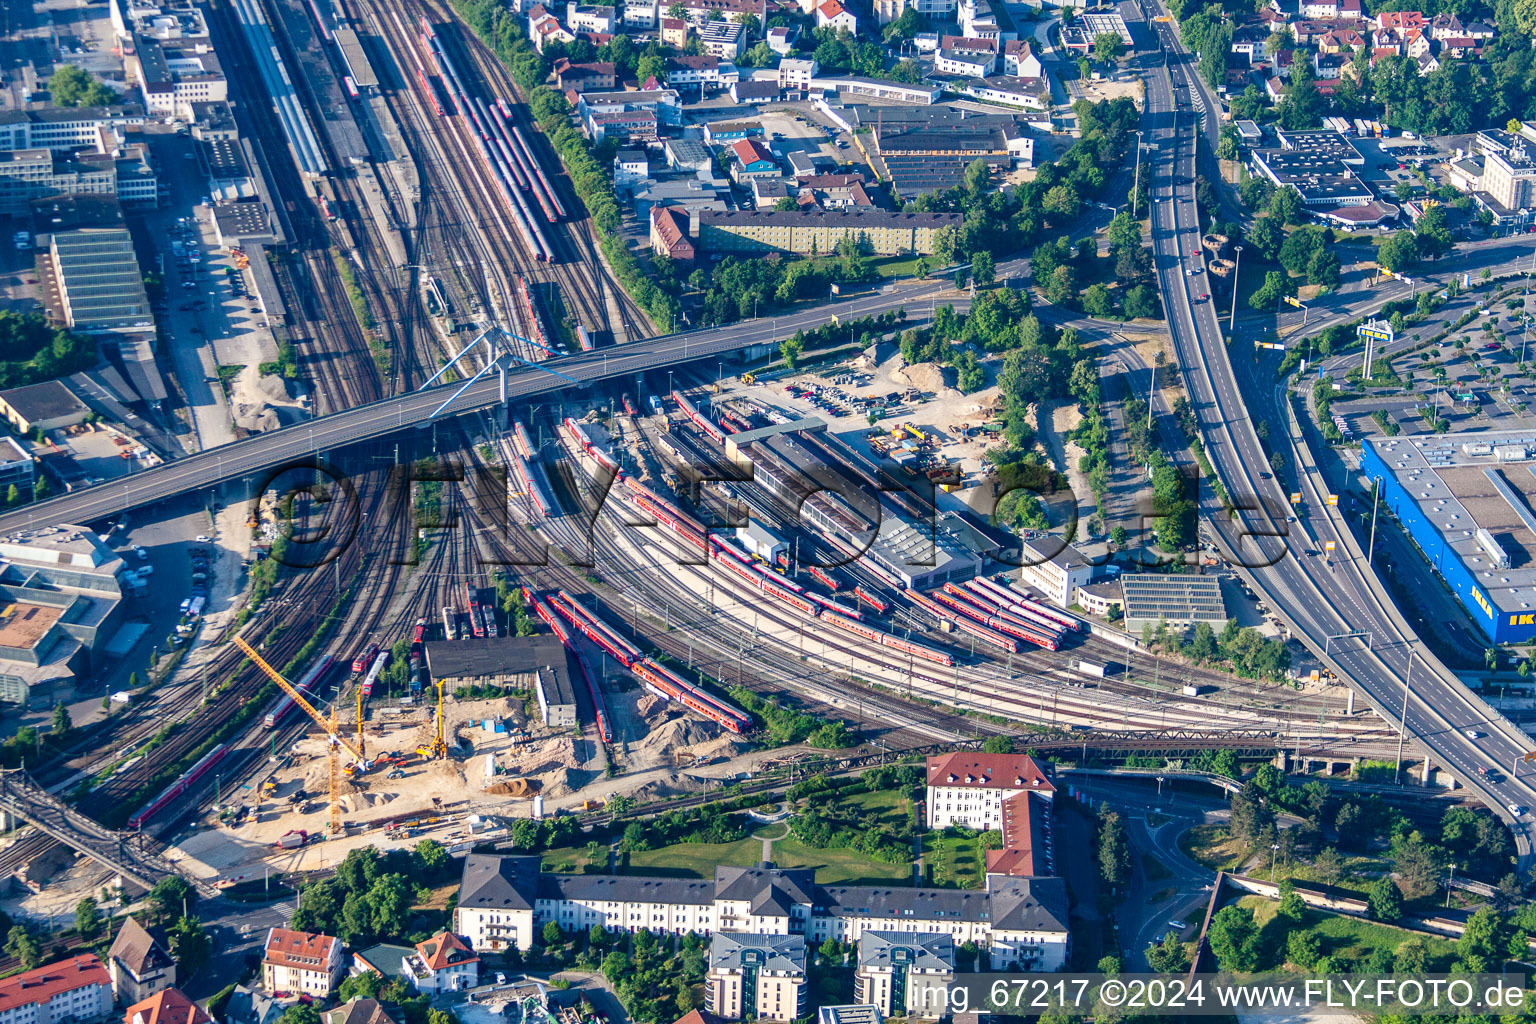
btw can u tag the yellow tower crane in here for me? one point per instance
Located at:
(362, 744)
(332, 730)
(439, 747)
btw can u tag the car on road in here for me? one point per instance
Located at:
(1179, 923)
(1472, 734)
(1516, 810)
(203, 538)
(1203, 296)
(141, 552)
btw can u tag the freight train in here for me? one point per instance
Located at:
(308, 685)
(183, 782)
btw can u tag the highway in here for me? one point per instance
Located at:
(1336, 606)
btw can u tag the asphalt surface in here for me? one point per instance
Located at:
(1335, 605)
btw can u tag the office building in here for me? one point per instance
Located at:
(101, 287)
(1181, 601)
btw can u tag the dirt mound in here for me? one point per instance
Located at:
(649, 705)
(924, 377)
(559, 752)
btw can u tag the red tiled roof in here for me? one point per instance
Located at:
(673, 236)
(987, 771)
(301, 950)
(749, 150)
(42, 984)
(170, 1006)
(445, 950)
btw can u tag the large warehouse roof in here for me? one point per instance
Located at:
(1472, 496)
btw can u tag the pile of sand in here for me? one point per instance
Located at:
(260, 403)
(559, 752)
(650, 704)
(924, 377)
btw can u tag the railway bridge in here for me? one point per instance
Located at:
(128, 854)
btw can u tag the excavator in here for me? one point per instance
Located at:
(330, 726)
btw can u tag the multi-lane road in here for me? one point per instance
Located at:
(1335, 605)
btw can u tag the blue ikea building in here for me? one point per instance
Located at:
(1469, 503)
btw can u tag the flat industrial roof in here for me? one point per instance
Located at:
(24, 624)
(1175, 598)
(1466, 482)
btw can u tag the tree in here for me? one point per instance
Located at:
(1096, 301)
(1108, 46)
(1398, 253)
(87, 918)
(1432, 234)
(1286, 206)
(300, 1013)
(1276, 285)
(1299, 248)
(1303, 949)
(1484, 935)
(62, 723)
(1411, 957)
(1384, 899)
(20, 944)
(998, 744)
(1114, 850)
(791, 347)
(1234, 938)
(191, 946)
(430, 857)
(552, 934)
(1292, 908)
(1417, 864)
(1170, 956)
(1140, 301)
(389, 905)
(71, 86)
(1061, 202)
(1266, 236)
(1323, 270)
(170, 895)
(983, 271)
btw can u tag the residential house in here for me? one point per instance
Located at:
(301, 963)
(1327, 67)
(168, 1006)
(709, 74)
(796, 74)
(1427, 64)
(669, 235)
(444, 963)
(139, 963)
(1447, 24)
(755, 976)
(1415, 43)
(755, 90)
(1020, 60)
(1319, 8)
(674, 32)
(833, 15)
(724, 39)
(593, 18)
(359, 1011)
(722, 132)
(1480, 30)
(781, 39)
(76, 989)
(641, 13)
(251, 1006)
(699, 11)
(1341, 40)
(751, 159)
(544, 27)
(1400, 21)
(591, 76)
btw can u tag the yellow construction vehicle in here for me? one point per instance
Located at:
(330, 726)
(748, 378)
(438, 747)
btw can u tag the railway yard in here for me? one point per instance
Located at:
(624, 596)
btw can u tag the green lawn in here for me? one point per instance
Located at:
(573, 860)
(955, 863)
(898, 266)
(1213, 846)
(886, 806)
(1355, 938)
(696, 860)
(835, 867)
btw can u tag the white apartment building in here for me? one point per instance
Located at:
(970, 788)
(59, 128)
(640, 13)
(503, 900)
(905, 974)
(756, 976)
(77, 989)
(888, 11)
(797, 73)
(301, 962)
